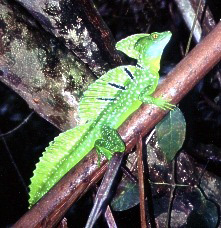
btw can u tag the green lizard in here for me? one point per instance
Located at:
(104, 107)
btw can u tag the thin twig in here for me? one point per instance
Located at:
(141, 183)
(14, 165)
(110, 218)
(193, 27)
(103, 192)
(172, 193)
(17, 127)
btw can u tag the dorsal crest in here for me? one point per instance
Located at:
(103, 91)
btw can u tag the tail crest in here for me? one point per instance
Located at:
(53, 164)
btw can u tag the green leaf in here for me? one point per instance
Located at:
(171, 133)
(204, 216)
(127, 195)
(127, 192)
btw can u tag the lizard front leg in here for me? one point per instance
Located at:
(146, 98)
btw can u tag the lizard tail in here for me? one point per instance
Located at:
(59, 157)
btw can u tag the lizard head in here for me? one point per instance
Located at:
(151, 48)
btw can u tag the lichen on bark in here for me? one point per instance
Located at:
(80, 27)
(40, 68)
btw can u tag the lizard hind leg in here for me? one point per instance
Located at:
(110, 142)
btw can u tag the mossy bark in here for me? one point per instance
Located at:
(50, 72)
(80, 27)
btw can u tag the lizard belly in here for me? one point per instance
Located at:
(116, 113)
(125, 113)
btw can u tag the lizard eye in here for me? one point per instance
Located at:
(155, 36)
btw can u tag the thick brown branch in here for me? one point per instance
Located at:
(51, 208)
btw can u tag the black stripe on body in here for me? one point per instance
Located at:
(139, 66)
(105, 99)
(129, 73)
(117, 86)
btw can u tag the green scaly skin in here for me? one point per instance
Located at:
(104, 107)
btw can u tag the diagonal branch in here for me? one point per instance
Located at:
(52, 207)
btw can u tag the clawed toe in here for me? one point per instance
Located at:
(168, 105)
